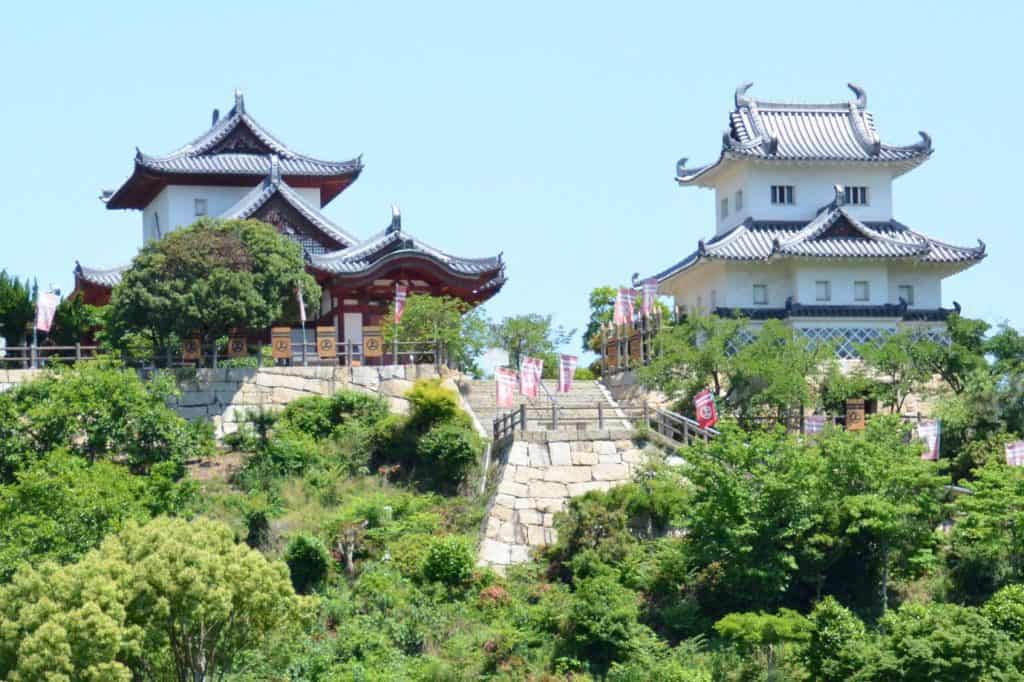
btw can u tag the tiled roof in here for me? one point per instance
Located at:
(236, 145)
(393, 241)
(199, 155)
(108, 278)
(834, 233)
(775, 131)
(272, 185)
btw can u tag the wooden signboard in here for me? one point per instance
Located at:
(191, 349)
(373, 342)
(238, 347)
(326, 343)
(855, 414)
(611, 352)
(281, 342)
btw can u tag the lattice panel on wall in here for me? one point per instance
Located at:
(308, 245)
(846, 339)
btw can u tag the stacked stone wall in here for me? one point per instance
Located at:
(537, 479)
(9, 378)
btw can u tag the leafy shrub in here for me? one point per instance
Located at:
(352, 446)
(1005, 610)
(450, 450)
(449, 561)
(349, 405)
(602, 619)
(311, 416)
(432, 403)
(308, 562)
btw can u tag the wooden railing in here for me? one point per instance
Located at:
(505, 424)
(16, 357)
(679, 429)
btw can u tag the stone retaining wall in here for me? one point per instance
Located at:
(9, 378)
(537, 479)
(225, 396)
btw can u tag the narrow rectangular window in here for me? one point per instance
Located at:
(861, 291)
(907, 294)
(760, 294)
(739, 200)
(823, 291)
(200, 206)
(782, 194)
(714, 299)
(857, 196)
(724, 209)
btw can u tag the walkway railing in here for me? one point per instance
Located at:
(505, 424)
(25, 357)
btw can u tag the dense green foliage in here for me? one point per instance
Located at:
(532, 335)
(462, 329)
(761, 555)
(207, 279)
(17, 307)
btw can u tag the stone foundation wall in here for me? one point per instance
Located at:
(537, 479)
(225, 396)
(9, 378)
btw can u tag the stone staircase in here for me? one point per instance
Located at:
(588, 407)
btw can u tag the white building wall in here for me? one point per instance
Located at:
(175, 205)
(927, 283)
(742, 278)
(841, 277)
(812, 189)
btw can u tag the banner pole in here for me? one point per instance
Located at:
(304, 361)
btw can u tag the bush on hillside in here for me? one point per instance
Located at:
(308, 562)
(449, 561)
(449, 451)
(431, 403)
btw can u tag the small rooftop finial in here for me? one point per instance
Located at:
(396, 220)
(239, 102)
(925, 144)
(862, 97)
(216, 117)
(741, 94)
(840, 195)
(275, 168)
(681, 167)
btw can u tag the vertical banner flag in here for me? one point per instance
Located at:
(707, 412)
(529, 376)
(1015, 453)
(814, 423)
(46, 308)
(930, 431)
(623, 314)
(505, 384)
(649, 289)
(566, 372)
(302, 305)
(401, 292)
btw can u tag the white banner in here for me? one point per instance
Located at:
(46, 308)
(566, 372)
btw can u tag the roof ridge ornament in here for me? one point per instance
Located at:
(741, 95)
(215, 117)
(396, 220)
(275, 169)
(840, 197)
(862, 96)
(239, 102)
(925, 143)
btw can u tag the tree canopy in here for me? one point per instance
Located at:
(208, 278)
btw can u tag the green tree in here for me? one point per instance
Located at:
(169, 599)
(209, 278)
(308, 562)
(895, 361)
(529, 335)
(601, 623)
(773, 373)
(695, 354)
(838, 648)
(17, 307)
(462, 328)
(61, 507)
(987, 542)
(602, 309)
(74, 320)
(768, 634)
(956, 360)
(100, 410)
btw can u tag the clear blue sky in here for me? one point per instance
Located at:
(545, 130)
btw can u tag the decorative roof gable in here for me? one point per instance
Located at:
(232, 151)
(833, 234)
(833, 132)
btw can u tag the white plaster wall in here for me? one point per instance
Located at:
(698, 287)
(726, 188)
(742, 278)
(813, 188)
(842, 276)
(176, 205)
(927, 283)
